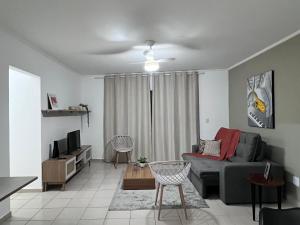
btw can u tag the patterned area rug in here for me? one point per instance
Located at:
(144, 199)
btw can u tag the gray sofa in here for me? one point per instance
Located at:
(230, 176)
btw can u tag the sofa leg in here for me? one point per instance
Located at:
(204, 193)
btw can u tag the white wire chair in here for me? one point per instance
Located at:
(170, 173)
(122, 144)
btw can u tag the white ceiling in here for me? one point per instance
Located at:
(222, 32)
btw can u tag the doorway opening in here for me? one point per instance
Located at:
(25, 125)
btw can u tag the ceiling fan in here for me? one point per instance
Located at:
(151, 64)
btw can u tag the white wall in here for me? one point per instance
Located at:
(25, 125)
(55, 78)
(213, 102)
(92, 93)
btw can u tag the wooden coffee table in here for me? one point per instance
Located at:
(137, 178)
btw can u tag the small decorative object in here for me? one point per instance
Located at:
(52, 101)
(201, 146)
(267, 171)
(260, 100)
(87, 111)
(55, 152)
(75, 108)
(50, 151)
(142, 162)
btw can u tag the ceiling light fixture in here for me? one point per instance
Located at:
(151, 65)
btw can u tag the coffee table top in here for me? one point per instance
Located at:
(136, 172)
(258, 179)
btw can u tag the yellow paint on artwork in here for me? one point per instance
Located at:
(259, 104)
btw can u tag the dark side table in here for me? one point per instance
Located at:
(259, 181)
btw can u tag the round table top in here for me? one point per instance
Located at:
(258, 179)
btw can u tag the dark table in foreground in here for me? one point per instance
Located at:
(10, 185)
(260, 181)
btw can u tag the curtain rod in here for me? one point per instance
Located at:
(145, 73)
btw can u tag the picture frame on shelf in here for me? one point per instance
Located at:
(52, 101)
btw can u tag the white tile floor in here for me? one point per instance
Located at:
(88, 196)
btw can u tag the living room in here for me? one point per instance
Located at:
(96, 94)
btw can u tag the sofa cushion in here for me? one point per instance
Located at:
(204, 166)
(212, 148)
(248, 148)
(237, 159)
(262, 152)
(245, 152)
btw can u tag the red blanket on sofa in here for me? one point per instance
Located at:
(229, 141)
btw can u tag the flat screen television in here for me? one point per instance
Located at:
(62, 146)
(73, 140)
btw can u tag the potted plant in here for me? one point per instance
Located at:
(142, 161)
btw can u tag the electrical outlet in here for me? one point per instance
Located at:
(296, 181)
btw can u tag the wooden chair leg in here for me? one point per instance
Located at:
(116, 160)
(127, 157)
(182, 200)
(157, 192)
(160, 200)
(44, 186)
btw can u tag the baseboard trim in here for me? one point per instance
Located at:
(101, 160)
(291, 200)
(5, 217)
(292, 196)
(30, 190)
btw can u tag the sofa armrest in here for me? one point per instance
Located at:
(195, 148)
(234, 187)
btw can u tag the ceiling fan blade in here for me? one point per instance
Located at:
(111, 51)
(157, 60)
(138, 62)
(188, 44)
(154, 47)
(166, 60)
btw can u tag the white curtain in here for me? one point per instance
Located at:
(175, 121)
(127, 112)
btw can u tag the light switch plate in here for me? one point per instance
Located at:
(296, 181)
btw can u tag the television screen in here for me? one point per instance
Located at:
(73, 141)
(63, 146)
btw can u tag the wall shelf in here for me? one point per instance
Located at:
(63, 112)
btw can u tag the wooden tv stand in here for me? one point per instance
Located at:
(60, 170)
